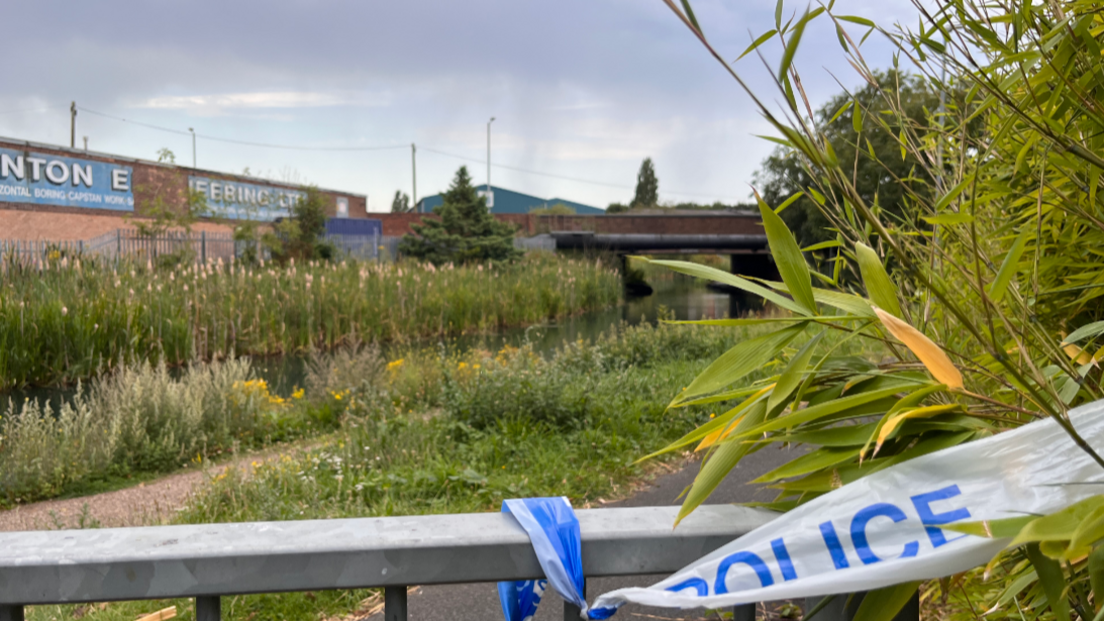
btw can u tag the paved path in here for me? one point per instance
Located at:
(479, 602)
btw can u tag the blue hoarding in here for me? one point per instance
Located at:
(44, 179)
(245, 201)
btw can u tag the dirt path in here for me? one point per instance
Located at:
(154, 502)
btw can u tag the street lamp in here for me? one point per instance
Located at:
(193, 147)
(490, 192)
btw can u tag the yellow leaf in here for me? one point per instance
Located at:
(1077, 354)
(160, 615)
(934, 359)
(723, 432)
(894, 422)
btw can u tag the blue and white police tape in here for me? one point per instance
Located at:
(884, 529)
(553, 530)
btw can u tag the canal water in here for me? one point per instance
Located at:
(674, 295)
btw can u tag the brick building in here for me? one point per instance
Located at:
(52, 192)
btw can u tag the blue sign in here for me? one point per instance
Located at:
(43, 179)
(245, 201)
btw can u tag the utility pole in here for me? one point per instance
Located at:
(73, 125)
(414, 173)
(490, 192)
(193, 147)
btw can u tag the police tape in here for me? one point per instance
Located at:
(884, 529)
(553, 530)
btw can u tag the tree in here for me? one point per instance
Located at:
(300, 235)
(647, 186)
(465, 232)
(885, 179)
(617, 208)
(166, 155)
(559, 209)
(401, 203)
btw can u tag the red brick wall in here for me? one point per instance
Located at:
(152, 180)
(397, 224)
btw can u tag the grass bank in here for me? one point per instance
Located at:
(429, 433)
(67, 319)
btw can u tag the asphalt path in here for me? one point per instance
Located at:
(479, 601)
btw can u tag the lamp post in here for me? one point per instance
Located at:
(490, 192)
(193, 146)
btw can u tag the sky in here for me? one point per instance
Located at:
(581, 90)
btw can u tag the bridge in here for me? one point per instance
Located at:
(736, 233)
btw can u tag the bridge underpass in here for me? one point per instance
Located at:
(748, 253)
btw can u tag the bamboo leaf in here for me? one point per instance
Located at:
(792, 376)
(690, 15)
(953, 194)
(856, 118)
(992, 529)
(878, 285)
(791, 47)
(760, 41)
(862, 21)
(1008, 268)
(1091, 330)
(934, 359)
(828, 408)
(884, 604)
(787, 256)
(1052, 580)
(738, 362)
(949, 218)
(1089, 531)
(778, 15)
(718, 464)
(1096, 575)
(924, 412)
(714, 274)
(717, 423)
(810, 462)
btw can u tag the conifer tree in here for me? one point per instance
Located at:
(466, 232)
(647, 186)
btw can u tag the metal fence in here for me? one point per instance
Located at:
(210, 561)
(203, 246)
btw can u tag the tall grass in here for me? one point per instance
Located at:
(69, 319)
(141, 420)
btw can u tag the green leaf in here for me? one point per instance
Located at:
(712, 273)
(1060, 525)
(719, 463)
(690, 15)
(789, 201)
(878, 285)
(736, 363)
(953, 194)
(844, 108)
(778, 15)
(1008, 268)
(949, 218)
(1052, 580)
(832, 243)
(1089, 531)
(760, 41)
(856, 118)
(992, 529)
(1096, 574)
(792, 376)
(884, 604)
(846, 302)
(810, 462)
(1093, 329)
(821, 410)
(791, 47)
(787, 256)
(700, 433)
(862, 21)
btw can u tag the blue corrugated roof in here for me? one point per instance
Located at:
(509, 201)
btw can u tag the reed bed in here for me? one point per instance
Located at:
(65, 319)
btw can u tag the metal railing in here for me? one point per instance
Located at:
(210, 561)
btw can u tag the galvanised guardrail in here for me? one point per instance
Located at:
(210, 561)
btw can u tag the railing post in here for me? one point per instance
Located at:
(208, 608)
(744, 612)
(571, 611)
(394, 603)
(11, 613)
